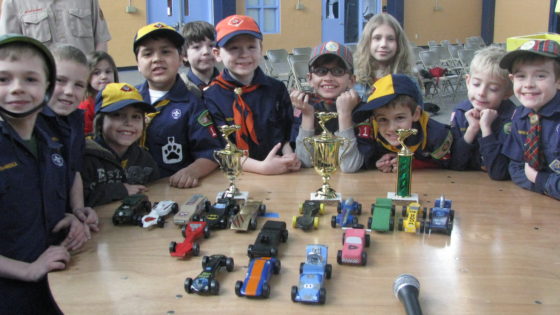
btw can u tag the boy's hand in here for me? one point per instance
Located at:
(300, 100)
(487, 117)
(184, 178)
(387, 163)
(473, 118)
(275, 164)
(89, 217)
(531, 173)
(77, 235)
(347, 101)
(54, 258)
(135, 189)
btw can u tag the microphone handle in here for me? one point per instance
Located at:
(409, 296)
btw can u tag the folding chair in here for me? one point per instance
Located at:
(299, 68)
(277, 64)
(302, 51)
(438, 85)
(432, 43)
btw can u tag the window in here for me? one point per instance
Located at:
(266, 13)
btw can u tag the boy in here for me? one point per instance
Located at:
(200, 39)
(480, 124)
(243, 95)
(32, 209)
(534, 142)
(331, 74)
(395, 104)
(115, 166)
(180, 135)
(67, 124)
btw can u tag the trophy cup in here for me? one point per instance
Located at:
(324, 150)
(404, 169)
(229, 159)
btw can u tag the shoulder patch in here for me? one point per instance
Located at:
(507, 128)
(204, 119)
(444, 148)
(555, 166)
(364, 130)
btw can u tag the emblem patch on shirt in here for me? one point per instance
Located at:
(444, 148)
(176, 114)
(364, 131)
(172, 152)
(555, 166)
(507, 128)
(204, 119)
(57, 159)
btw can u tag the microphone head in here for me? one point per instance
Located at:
(404, 280)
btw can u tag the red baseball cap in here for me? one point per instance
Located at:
(235, 25)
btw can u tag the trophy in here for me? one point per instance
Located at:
(324, 150)
(229, 159)
(404, 169)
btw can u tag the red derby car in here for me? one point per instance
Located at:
(353, 252)
(191, 232)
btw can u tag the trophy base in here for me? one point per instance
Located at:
(407, 199)
(240, 197)
(319, 197)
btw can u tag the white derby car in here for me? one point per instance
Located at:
(159, 211)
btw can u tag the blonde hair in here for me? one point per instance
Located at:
(364, 63)
(487, 60)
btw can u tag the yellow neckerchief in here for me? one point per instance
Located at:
(424, 118)
(148, 120)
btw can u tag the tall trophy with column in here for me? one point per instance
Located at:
(404, 169)
(231, 164)
(324, 150)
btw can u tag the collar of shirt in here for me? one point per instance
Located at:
(259, 78)
(549, 109)
(178, 93)
(197, 81)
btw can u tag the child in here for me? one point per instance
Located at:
(66, 122)
(395, 104)
(114, 165)
(200, 39)
(331, 74)
(534, 142)
(243, 95)
(33, 190)
(103, 71)
(180, 135)
(479, 125)
(383, 49)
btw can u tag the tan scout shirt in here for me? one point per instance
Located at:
(76, 22)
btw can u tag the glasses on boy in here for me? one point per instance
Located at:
(322, 71)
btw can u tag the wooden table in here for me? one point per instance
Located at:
(502, 257)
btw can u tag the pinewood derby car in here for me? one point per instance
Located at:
(218, 215)
(441, 217)
(205, 283)
(194, 206)
(191, 231)
(131, 210)
(347, 213)
(353, 251)
(256, 283)
(246, 218)
(270, 236)
(382, 215)
(309, 210)
(160, 210)
(412, 220)
(312, 274)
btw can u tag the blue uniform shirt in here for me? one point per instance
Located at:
(548, 179)
(33, 196)
(483, 153)
(181, 130)
(271, 107)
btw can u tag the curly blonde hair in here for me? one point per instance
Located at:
(364, 63)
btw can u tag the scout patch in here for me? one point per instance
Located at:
(555, 166)
(507, 128)
(444, 148)
(172, 152)
(176, 113)
(364, 131)
(57, 160)
(204, 119)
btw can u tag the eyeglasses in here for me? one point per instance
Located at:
(322, 71)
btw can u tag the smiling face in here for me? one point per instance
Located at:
(101, 75)
(328, 85)
(486, 91)
(390, 118)
(535, 82)
(70, 88)
(383, 46)
(23, 83)
(122, 128)
(200, 56)
(241, 56)
(159, 61)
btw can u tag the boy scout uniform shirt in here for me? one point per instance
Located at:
(548, 179)
(433, 144)
(181, 130)
(482, 153)
(271, 107)
(33, 197)
(79, 23)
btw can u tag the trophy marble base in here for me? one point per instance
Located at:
(408, 199)
(240, 197)
(316, 196)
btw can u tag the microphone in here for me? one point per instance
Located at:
(406, 288)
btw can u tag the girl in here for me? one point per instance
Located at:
(102, 72)
(383, 49)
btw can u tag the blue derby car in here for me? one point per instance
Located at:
(311, 287)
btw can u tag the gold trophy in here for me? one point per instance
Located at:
(230, 162)
(404, 169)
(324, 150)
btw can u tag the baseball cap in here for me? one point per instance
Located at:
(235, 25)
(48, 57)
(547, 48)
(388, 88)
(158, 29)
(115, 96)
(333, 48)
